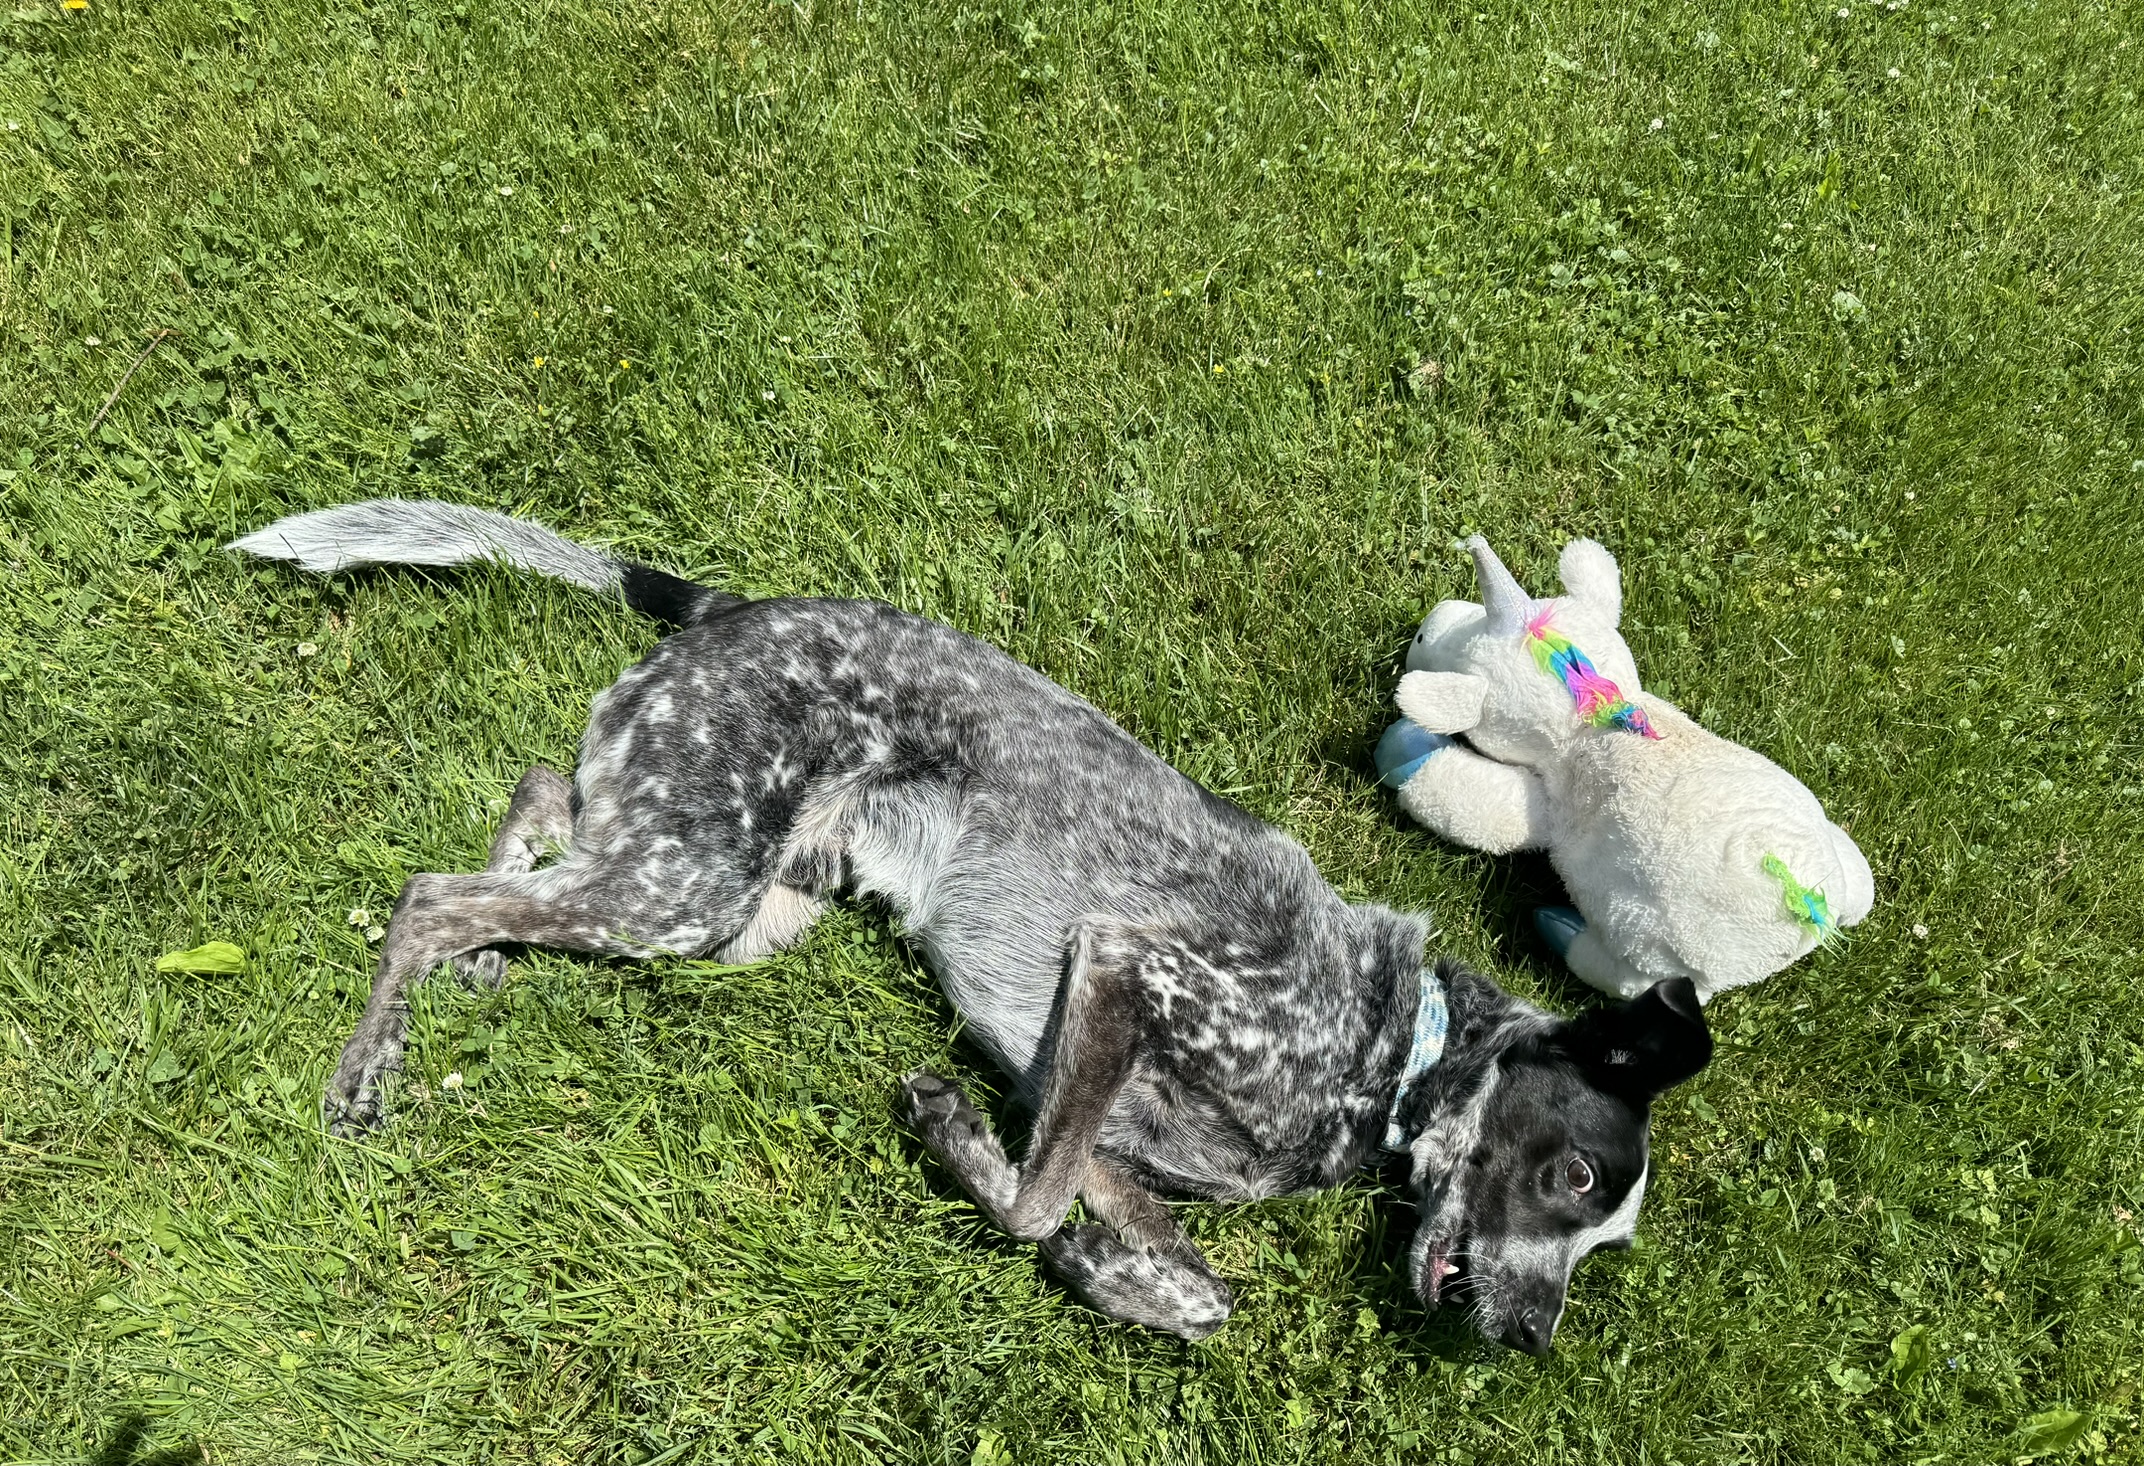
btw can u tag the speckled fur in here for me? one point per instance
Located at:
(1182, 999)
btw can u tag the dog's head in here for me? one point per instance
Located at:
(1537, 1154)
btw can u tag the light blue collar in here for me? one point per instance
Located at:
(1431, 1018)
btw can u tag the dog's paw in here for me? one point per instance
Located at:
(484, 968)
(1198, 1309)
(928, 1102)
(353, 1114)
(355, 1102)
(1172, 1290)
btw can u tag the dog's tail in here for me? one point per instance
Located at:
(428, 532)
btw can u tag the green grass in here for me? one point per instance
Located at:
(1106, 336)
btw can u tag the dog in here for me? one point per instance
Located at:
(1185, 1004)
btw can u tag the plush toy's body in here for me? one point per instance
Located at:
(1686, 855)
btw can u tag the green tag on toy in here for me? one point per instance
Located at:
(1804, 905)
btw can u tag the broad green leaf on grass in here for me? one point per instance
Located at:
(1909, 1357)
(166, 1067)
(1852, 1381)
(2050, 1431)
(209, 957)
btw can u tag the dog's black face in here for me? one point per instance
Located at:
(1545, 1162)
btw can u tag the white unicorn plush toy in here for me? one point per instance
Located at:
(1686, 855)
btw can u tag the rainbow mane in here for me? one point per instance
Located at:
(1599, 701)
(1804, 905)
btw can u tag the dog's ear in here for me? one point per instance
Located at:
(1642, 1047)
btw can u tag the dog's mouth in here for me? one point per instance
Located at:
(1438, 1270)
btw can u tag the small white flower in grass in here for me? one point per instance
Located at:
(92, 341)
(1656, 124)
(374, 933)
(1845, 14)
(14, 127)
(307, 649)
(452, 1081)
(506, 191)
(1892, 73)
(766, 396)
(1919, 930)
(359, 916)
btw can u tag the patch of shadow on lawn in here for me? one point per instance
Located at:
(124, 1447)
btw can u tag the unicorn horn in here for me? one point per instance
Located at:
(1508, 606)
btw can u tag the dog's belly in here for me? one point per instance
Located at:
(993, 937)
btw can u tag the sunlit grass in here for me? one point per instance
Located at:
(1169, 348)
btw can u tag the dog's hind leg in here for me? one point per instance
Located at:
(809, 869)
(439, 917)
(539, 822)
(1098, 1037)
(1138, 1266)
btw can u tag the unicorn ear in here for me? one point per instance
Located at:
(1590, 575)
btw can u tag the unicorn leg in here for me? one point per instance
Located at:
(1559, 926)
(1478, 802)
(1588, 957)
(1405, 747)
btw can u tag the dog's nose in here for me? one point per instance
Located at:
(1532, 1332)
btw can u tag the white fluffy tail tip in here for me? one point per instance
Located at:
(425, 532)
(274, 543)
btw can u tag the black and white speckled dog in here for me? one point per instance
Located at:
(1185, 1003)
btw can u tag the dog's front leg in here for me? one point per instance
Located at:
(1098, 1031)
(1138, 1267)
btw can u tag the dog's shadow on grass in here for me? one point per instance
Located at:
(123, 1447)
(1377, 1272)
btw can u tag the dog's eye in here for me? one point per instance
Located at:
(1579, 1175)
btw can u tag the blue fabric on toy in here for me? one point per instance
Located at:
(1405, 747)
(1559, 927)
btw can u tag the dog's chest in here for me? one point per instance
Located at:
(1259, 1083)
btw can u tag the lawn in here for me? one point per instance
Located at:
(1170, 347)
